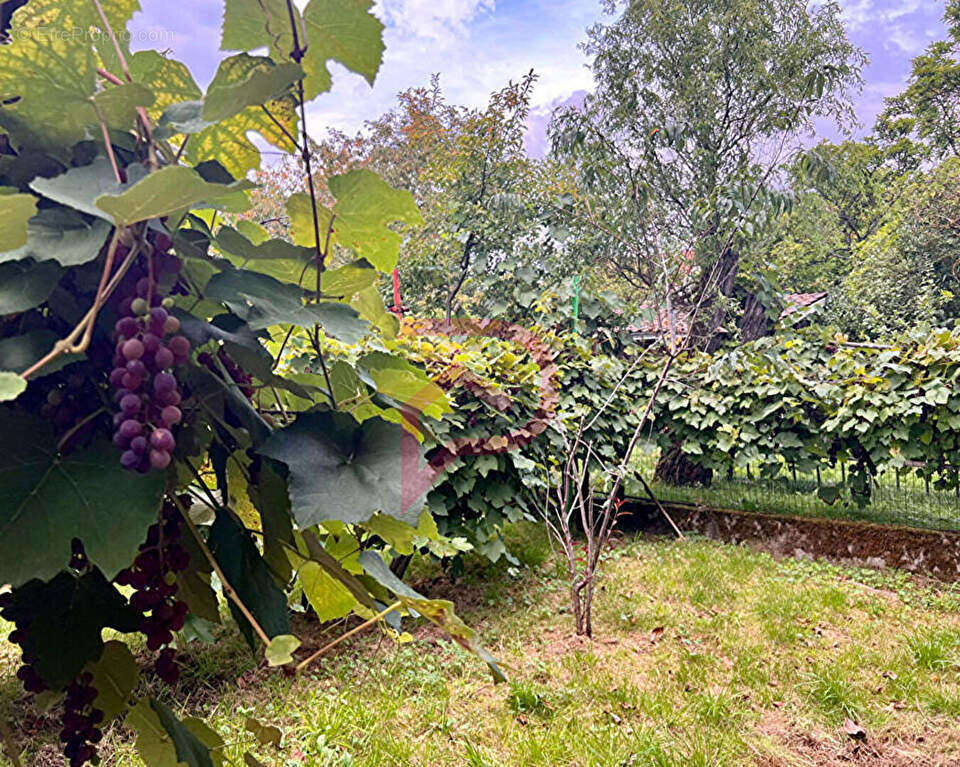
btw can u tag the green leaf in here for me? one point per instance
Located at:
(347, 471)
(276, 258)
(243, 81)
(399, 534)
(25, 284)
(12, 386)
(169, 80)
(345, 31)
(262, 301)
(193, 583)
(329, 598)
(63, 235)
(347, 280)
(366, 206)
(265, 734)
(249, 24)
(17, 353)
(369, 304)
(16, 210)
(280, 650)
(69, 606)
(268, 494)
(47, 500)
(115, 677)
(169, 190)
(437, 611)
(79, 188)
(118, 103)
(165, 741)
(245, 569)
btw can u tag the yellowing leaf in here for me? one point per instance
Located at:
(16, 210)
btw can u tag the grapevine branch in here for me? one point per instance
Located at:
(79, 338)
(343, 637)
(224, 583)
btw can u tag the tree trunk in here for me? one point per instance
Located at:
(754, 323)
(676, 468)
(718, 280)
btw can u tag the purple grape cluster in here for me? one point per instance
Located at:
(81, 720)
(152, 576)
(238, 375)
(147, 348)
(27, 674)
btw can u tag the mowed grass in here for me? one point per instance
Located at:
(704, 654)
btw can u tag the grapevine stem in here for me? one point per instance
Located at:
(343, 637)
(224, 583)
(107, 143)
(84, 328)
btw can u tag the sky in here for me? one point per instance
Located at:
(477, 46)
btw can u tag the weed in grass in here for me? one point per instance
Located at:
(526, 699)
(934, 651)
(829, 688)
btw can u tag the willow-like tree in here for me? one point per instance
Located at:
(697, 104)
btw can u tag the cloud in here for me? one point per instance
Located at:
(440, 20)
(535, 141)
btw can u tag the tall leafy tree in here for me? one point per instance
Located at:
(696, 105)
(924, 120)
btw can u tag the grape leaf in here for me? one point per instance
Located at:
(164, 192)
(243, 81)
(266, 734)
(24, 284)
(165, 741)
(280, 650)
(365, 208)
(17, 210)
(437, 611)
(245, 569)
(48, 71)
(262, 301)
(328, 597)
(48, 499)
(169, 80)
(268, 493)
(79, 188)
(17, 353)
(12, 385)
(193, 584)
(61, 234)
(343, 470)
(115, 677)
(277, 258)
(118, 104)
(345, 31)
(69, 606)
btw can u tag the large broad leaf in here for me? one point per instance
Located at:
(438, 611)
(62, 235)
(277, 258)
(262, 301)
(243, 81)
(366, 207)
(250, 576)
(24, 284)
(79, 188)
(16, 210)
(12, 385)
(343, 30)
(47, 500)
(343, 470)
(17, 353)
(268, 494)
(74, 608)
(168, 80)
(47, 71)
(115, 677)
(118, 104)
(193, 583)
(165, 741)
(168, 190)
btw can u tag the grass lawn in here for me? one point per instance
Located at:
(705, 654)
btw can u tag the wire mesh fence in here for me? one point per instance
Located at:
(897, 497)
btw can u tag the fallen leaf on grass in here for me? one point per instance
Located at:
(655, 634)
(853, 729)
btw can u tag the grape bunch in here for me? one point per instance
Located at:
(153, 576)
(27, 674)
(81, 720)
(147, 347)
(238, 375)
